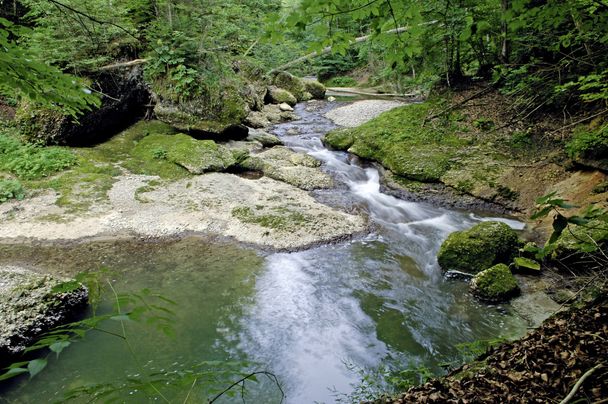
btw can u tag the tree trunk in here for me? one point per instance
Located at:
(504, 28)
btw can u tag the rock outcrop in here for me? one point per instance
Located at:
(125, 100)
(32, 304)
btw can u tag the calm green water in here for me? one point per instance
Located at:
(307, 316)
(315, 318)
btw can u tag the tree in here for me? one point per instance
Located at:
(23, 74)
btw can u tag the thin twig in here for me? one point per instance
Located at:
(578, 384)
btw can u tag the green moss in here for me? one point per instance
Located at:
(399, 141)
(495, 284)
(290, 83)
(600, 188)
(279, 95)
(280, 219)
(340, 139)
(341, 81)
(97, 168)
(316, 89)
(590, 144)
(150, 186)
(196, 156)
(478, 248)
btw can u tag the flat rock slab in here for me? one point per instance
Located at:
(359, 112)
(264, 212)
(29, 306)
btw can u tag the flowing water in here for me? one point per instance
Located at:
(317, 319)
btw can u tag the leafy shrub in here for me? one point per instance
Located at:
(32, 162)
(341, 81)
(10, 189)
(589, 144)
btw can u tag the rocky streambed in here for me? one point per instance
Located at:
(377, 298)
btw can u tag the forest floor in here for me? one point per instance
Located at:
(565, 357)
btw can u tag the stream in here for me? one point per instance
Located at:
(319, 319)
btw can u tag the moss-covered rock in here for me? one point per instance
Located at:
(283, 164)
(265, 138)
(480, 247)
(496, 284)
(316, 89)
(215, 115)
(340, 139)
(290, 83)
(196, 156)
(32, 304)
(257, 120)
(278, 95)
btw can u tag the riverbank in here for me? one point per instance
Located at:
(565, 359)
(465, 147)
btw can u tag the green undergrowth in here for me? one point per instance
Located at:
(341, 81)
(29, 162)
(83, 176)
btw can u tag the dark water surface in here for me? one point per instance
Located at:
(315, 318)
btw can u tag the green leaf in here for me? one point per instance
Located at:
(12, 373)
(521, 262)
(121, 317)
(542, 213)
(559, 224)
(36, 366)
(59, 346)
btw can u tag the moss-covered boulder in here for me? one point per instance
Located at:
(340, 139)
(257, 120)
(480, 247)
(196, 156)
(291, 83)
(216, 114)
(278, 95)
(316, 89)
(496, 284)
(31, 304)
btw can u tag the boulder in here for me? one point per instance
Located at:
(315, 89)
(257, 120)
(196, 156)
(125, 101)
(32, 304)
(265, 138)
(217, 119)
(290, 83)
(480, 247)
(274, 114)
(285, 107)
(283, 164)
(278, 95)
(495, 285)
